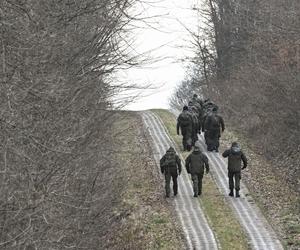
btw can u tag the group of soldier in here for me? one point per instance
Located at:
(196, 117)
(200, 116)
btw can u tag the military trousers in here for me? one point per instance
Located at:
(186, 138)
(197, 183)
(212, 139)
(234, 180)
(168, 177)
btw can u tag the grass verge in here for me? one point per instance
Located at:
(223, 222)
(277, 201)
(144, 219)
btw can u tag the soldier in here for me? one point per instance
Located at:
(197, 109)
(185, 123)
(195, 164)
(196, 125)
(235, 157)
(213, 125)
(170, 166)
(196, 99)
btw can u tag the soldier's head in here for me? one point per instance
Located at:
(235, 147)
(196, 147)
(190, 103)
(194, 109)
(195, 96)
(215, 109)
(171, 149)
(185, 108)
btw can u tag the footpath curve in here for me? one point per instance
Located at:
(192, 218)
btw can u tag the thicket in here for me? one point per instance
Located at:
(247, 60)
(56, 61)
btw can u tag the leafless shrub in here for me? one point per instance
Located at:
(56, 57)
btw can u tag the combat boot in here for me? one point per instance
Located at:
(237, 194)
(231, 192)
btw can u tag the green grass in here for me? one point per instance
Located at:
(224, 223)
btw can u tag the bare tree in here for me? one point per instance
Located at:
(56, 57)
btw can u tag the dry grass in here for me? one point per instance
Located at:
(144, 219)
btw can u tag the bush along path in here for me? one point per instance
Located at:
(194, 223)
(259, 232)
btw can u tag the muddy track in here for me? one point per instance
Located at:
(261, 235)
(192, 218)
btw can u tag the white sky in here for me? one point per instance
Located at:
(168, 42)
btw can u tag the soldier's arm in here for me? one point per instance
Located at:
(245, 161)
(222, 123)
(178, 161)
(177, 127)
(203, 123)
(187, 164)
(226, 153)
(162, 167)
(206, 164)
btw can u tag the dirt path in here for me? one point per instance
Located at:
(261, 235)
(194, 223)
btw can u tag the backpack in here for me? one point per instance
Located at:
(184, 119)
(213, 121)
(170, 159)
(197, 163)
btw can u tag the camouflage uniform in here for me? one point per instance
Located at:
(196, 99)
(170, 166)
(185, 123)
(196, 124)
(235, 159)
(213, 125)
(197, 103)
(195, 164)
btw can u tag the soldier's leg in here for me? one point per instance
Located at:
(217, 144)
(175, 184)
(184, 141)
(167, 187)
(200, 177)
(237, 178)
(195, 184)
(231, 183)
(209, 141)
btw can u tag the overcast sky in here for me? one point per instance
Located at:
(168, 40)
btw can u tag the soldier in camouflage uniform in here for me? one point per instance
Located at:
(196, 99)
(213, 125)
(185, 123)
(197, 103)
(170, 166)
(196, 124)
(235, 158)
(195, 164)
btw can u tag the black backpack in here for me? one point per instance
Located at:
(184, 119)
(170, 159)
(213, 121)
